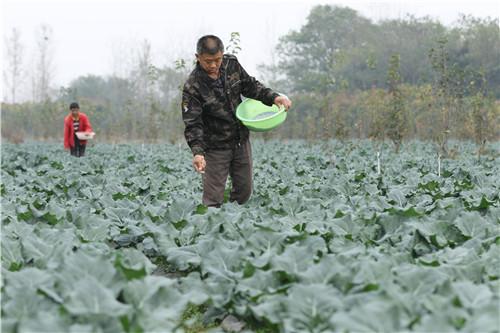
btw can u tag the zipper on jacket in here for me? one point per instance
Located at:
(228, 96)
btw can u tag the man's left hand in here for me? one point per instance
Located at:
(283, 100)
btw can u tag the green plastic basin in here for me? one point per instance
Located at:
(259, 117)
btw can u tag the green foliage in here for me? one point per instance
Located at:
(233, 47)
(335, 70)
(342, 69)
(397, 120)
(118, 109)
(117, 242)
(337, 48)
(316, 57)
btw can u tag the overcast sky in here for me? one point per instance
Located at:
(98, 36)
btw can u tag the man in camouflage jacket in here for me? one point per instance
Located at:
(219, 141)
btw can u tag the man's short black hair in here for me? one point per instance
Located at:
(74, 106)
(209, 44)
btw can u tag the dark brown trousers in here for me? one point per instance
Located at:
(78, 149)
(237, 163)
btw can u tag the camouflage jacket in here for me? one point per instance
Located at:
(209, 106)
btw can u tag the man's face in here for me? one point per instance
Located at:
(74, 112)
(210, 62)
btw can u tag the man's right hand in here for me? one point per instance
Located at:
(199, 163)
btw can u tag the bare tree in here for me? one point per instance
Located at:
(145, 70)
(121, 60)
(144, 76)
(12, 73)
(43, 73)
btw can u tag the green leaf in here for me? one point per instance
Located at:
(484, 319)
(12, 258)
(25, 303)
(309, 307)
(89, 297)
(482, 206)
(184, 257)
(270, 308)
(431, 186)
(133, 264)
(370, 316)
(405, 212)
(180, 210)
(260, 283)
(81, 265)
(201, 209)
(224, 261)
(44, 321)
(138, 292)
(36, 249)
(157, 304)
(471, 224)
(95, 231)
(397, 197)
(293, 261)
(471, 295)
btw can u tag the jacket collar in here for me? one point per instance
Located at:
(80, 116)
(204, 76)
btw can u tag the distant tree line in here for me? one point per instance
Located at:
(143, 106)
(349, 77)
(395, 79)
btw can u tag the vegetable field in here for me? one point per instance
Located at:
(118, 242)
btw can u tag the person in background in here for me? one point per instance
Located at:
(218, 140)
(76, 121)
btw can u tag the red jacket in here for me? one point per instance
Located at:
(69, 132)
